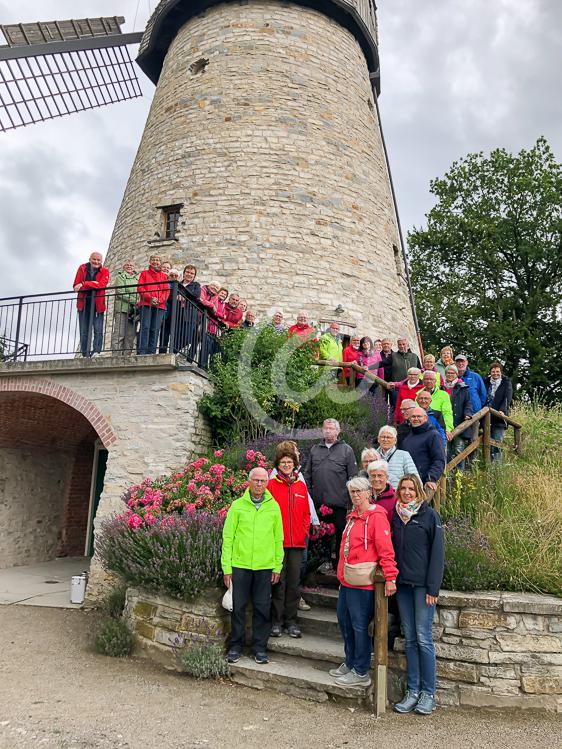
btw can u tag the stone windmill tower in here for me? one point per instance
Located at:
(262, 161)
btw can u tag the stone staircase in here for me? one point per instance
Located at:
(299, 667)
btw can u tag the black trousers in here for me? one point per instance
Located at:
(285, 595)
(338, 519)
(254, 586)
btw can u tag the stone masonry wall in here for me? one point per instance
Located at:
(274, 150)
(494, 650)
(33, 484)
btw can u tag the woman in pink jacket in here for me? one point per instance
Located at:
(370, 358)
(366, 538)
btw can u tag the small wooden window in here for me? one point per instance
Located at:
(171, 221)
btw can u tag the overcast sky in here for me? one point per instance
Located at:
(457, 76)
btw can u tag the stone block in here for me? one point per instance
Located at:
(448, 617)
(533, 622)
(514, 643)
(501, 686)
(532, 603)
(486, 620)
(166, 637)
(472, 696)
(515, 658)
(461, 653)
(457, 671)
(555, 625)
(542, 684)
(500, 672)
(478, 600)
(144, 610)
(143, 629)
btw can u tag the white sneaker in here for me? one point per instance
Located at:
(353, 679)
(339, 671)
(303, 605)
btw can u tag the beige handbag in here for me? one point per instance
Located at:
(362, 573)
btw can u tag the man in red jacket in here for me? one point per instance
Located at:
(90, 282)
(232, 311)
(302, 327)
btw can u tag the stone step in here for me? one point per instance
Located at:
(314, 647)
(318, 580)
(320, 621)
(326, 597)
(297, 677)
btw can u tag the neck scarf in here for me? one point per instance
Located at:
(407, 512)
(494, 384)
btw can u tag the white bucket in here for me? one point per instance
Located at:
(77, 588)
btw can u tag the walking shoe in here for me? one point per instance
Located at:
(303, 605)
(353, 679)
(407, 703)
(426, 704)
(261, 658)
(339, 671)
(233, 656)
(293, 631)
(326, 568)
(275, 630)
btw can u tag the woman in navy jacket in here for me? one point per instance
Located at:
(417, 536)
(499, 393)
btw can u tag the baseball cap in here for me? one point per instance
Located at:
(461, 356)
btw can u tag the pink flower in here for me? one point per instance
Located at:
(190, 507)
(135, 522)
(222, 513)
(192, 486)
(325, 510)
(250, 455)
(149, 519)
(218, 453)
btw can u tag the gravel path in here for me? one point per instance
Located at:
(56, 692)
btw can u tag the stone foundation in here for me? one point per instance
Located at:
(160, 622)
(494, 650)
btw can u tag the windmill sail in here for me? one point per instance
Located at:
(51, 69)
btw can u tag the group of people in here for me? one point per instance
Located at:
(142, 314)
(378, 525)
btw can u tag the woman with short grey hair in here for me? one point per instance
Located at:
(367, 456)
(365, 543)
(400, 462)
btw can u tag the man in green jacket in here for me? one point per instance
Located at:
(252, 559)
(330, 343)
(440, 399)
(124, 322)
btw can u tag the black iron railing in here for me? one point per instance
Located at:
(117, 320)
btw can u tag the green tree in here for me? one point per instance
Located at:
(487, 270)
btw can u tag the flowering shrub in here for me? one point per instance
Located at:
(177, 554)
(202, 485)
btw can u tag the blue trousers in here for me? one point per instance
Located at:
(355, 611)
(417, 618)
(150, 322)
(497, 432)
(96, 340)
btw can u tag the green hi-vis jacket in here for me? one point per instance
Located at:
(253, 539)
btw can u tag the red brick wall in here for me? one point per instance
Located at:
(74, 521)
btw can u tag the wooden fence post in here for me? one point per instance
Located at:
(486, 436)
(517, 440)
(380, 649)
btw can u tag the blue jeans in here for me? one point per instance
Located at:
(355, 611)
(497, 432)
(96, 341)
(150, 322)
(417, 618)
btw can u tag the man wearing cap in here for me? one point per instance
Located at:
(474, 382)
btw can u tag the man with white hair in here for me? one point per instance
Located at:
(402, 360)
(90, 282)
(425, 446)
(330, 465)
(302, 328)
(252, 559)
(233, 311)
(277, 322)
(330, 343)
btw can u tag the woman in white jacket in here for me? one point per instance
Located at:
(400, 462)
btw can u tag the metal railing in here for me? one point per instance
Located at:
(116, 320)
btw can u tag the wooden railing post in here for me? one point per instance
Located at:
(517, 440)
(441, 493)
(381, 648)
(486, 437)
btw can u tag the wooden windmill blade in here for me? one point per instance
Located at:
(55, 68)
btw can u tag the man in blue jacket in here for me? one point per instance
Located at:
(426, 448)
(474, 382)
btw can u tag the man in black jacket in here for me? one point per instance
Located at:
(461, 402)
(426, 448)
(329, 467)
(499, 394)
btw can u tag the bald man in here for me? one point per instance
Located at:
(252, 559)
(426, 448)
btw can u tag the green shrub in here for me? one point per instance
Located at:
(114, 602)
(203, 660)
(114, 638)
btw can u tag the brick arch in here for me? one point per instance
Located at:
(66, 395)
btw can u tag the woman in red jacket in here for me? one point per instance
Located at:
(153, 292)
(366, 538)
(291, 495)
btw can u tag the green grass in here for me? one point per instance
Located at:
(505, 522)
